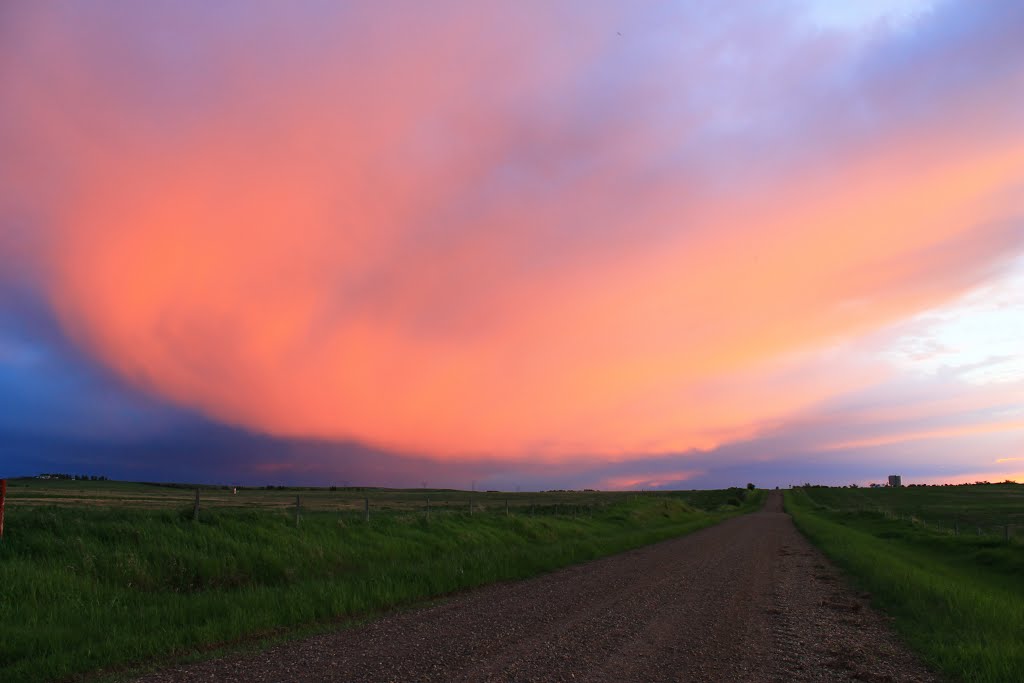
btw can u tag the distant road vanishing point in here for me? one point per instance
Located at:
(747, 600)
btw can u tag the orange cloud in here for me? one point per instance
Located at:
(951, 432)
(971, 477)
(635, 482)
(397, 243)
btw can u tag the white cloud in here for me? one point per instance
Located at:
(979, 338)
(855, 15)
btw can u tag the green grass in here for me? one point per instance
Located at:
(95, 588)
(985, 507)
(68, 493)
(957, 599)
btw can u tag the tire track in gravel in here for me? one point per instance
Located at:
(747, 600)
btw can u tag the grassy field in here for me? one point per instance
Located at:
(981, 509)
(957, 598)
(96, 577)
(118, 494)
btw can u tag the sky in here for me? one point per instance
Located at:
(513, 244)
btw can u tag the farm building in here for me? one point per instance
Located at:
(895, 480)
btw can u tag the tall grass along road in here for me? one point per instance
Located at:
(931, 560)
(746, 600)
(99, 576)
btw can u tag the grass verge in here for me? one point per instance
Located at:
(91, 590)
(957, 600)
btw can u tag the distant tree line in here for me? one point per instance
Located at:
(72, 477)
(911, 486)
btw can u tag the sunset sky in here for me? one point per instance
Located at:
(523, 244)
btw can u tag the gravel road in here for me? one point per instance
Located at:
(747, 600)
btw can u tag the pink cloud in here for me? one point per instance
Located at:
(634, 482)
(484, 232)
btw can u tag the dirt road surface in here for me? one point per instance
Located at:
(747, 600)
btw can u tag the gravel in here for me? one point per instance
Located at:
(747, 600)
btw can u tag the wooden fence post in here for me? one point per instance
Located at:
(366, 509)
(428, 509)
(506, 507)
(471, 507)
(3, 502)
(298, 506)
(195, 508)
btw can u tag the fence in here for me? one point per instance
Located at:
(963, 524)
(959, 527)
(201, 503)
(205, 504)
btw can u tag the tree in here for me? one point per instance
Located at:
(751, 487)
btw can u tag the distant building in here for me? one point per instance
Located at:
(895, 480)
